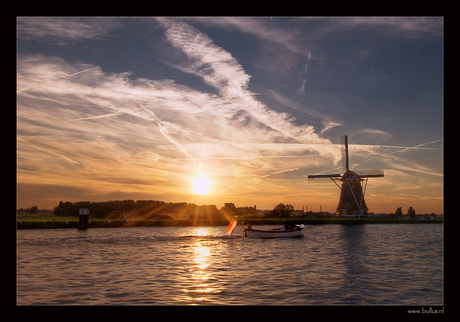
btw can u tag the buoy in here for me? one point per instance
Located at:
(83, 218)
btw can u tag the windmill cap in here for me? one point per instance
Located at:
(349, 173)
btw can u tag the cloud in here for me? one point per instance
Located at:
(290, 56)
(374, 134)
(216, 66)
(260, 27)
(296, 106)
(329, 125)
(66, 30)
(76, 115)
(307, 35)
(410, 27)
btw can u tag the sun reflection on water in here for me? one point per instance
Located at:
(199, 287)
(202, 256)
(203, 232)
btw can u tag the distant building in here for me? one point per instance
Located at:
(231, 210)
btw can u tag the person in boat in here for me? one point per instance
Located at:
(249, 225)
(290, 226)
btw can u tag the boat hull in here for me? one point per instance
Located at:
(274, 233)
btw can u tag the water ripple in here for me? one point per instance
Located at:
(351, 265)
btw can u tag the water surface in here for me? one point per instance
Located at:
(389, 264)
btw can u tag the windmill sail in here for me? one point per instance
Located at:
(345, 161)
(315, 176)
(370, 173)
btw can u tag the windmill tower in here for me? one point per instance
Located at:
(351, 190)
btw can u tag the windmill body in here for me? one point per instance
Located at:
(351, 202)
(351, 196)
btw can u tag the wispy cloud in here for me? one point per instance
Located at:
(374, 134)
(101, 121)
(263, 28)
(64, 30)
(218, 68)
(405, 27)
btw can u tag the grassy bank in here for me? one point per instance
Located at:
(50, 221)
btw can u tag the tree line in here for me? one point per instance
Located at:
(162, 210)
(286, 211)
(139, 208)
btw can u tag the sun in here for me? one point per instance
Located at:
(201, 185)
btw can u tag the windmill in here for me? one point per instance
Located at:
(351, 192)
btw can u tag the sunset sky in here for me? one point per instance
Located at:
(140, 108)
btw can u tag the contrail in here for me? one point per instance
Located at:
(67, 76)
(97, 116)
(315, 147)
(404, 149)
(164, 131)
(82, 71)
(419, 145)
(257, 157)
(287, 65)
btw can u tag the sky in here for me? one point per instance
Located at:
(140, 107)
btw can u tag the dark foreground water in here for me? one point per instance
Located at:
(395, 264)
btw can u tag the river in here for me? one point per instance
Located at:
(381, 264)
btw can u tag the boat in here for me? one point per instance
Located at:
(286, 231)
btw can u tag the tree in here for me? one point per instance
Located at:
(411, 212)
(229, 209)
(281, 210)
(99, 213)
(399, 212)
(34, 210)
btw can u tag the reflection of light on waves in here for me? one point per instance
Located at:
(202, 258)
(203, 232)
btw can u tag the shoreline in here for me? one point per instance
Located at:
(29, 224)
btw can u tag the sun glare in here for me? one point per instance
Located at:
(201, 185)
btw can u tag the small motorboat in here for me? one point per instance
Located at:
(286, 231)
